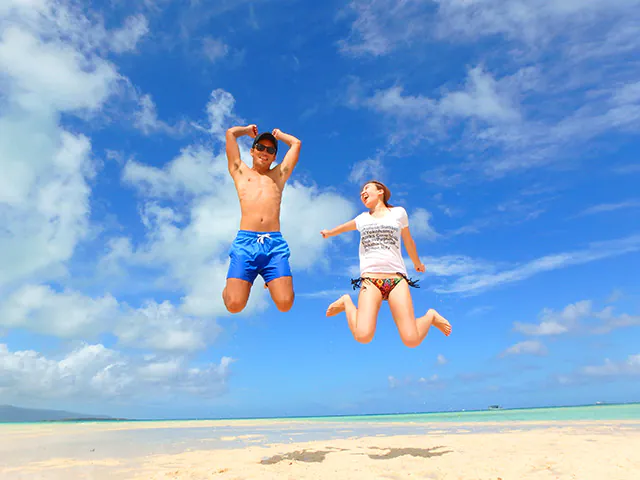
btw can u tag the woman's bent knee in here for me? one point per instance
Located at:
(364, 337)
(411, 342)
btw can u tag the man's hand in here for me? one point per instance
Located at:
(290, 160)
(325, 233)
(251, 130)
(420, 268)
(284, 137)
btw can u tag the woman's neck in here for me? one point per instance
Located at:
(379, 208)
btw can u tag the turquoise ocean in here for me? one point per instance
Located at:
(108, 439)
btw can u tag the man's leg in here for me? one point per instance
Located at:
(281, 290)
(236, 294)
(240, 276)
(277, 274)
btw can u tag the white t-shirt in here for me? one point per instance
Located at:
(380, 241)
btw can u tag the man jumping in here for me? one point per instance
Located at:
(259, 248)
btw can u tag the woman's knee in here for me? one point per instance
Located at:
(364, 335)
(411, 341)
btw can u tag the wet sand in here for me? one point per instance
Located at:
(321, 450)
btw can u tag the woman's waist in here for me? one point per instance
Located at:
(375, 274)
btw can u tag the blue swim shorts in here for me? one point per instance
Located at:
(259, 253)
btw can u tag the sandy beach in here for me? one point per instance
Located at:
(308, 450)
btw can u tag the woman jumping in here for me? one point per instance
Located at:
(383, 274)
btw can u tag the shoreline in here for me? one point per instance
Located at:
(303, 450)
(355, 417)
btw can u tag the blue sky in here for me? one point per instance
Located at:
(509, 133)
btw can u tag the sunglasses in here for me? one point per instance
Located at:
(261, 148)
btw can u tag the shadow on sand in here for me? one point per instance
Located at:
(318, 456)
(414, 452)
(311, 456)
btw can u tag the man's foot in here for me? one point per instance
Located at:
(442, 324)
(336, 307)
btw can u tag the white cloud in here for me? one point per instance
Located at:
(96, 372)
(547, 98)
(420, 225)
(70, 314)
(475, 282)
(301, 226)
(49, 66)
(161, 327)
(146, 118)
(553, 323)
(477, 311)
(616, 295)
(381, 26)
(629, 367)
(627, 169)
(214, 49)
(484, 103)
(482, 97)
(442, 360)
(126, 38)
(365, 170)
(609, 207)
(220, 113)
(433, 379)
(528, 347)
(611, 322)
(533, 22)
(54, 67)
(573, 319)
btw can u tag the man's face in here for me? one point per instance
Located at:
(260, 152)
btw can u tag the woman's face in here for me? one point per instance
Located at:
(371, 194)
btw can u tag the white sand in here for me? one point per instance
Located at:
(581, 451)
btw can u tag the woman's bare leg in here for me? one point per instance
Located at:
(362, 320)
(413, 331)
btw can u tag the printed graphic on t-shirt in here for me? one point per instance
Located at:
(379, 237)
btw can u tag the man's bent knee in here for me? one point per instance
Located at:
(284, 302)
(234, 303)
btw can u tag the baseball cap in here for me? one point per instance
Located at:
(266, 136)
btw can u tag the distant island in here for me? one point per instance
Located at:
(11, 414)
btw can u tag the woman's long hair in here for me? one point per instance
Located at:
(383, 187)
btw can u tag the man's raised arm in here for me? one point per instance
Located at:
(291, 158)
(233, 151)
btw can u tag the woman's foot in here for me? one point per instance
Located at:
(336, 307)
(441, 323)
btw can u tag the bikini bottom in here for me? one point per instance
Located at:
(385, 285)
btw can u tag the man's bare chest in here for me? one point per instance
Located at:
(258, 186)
